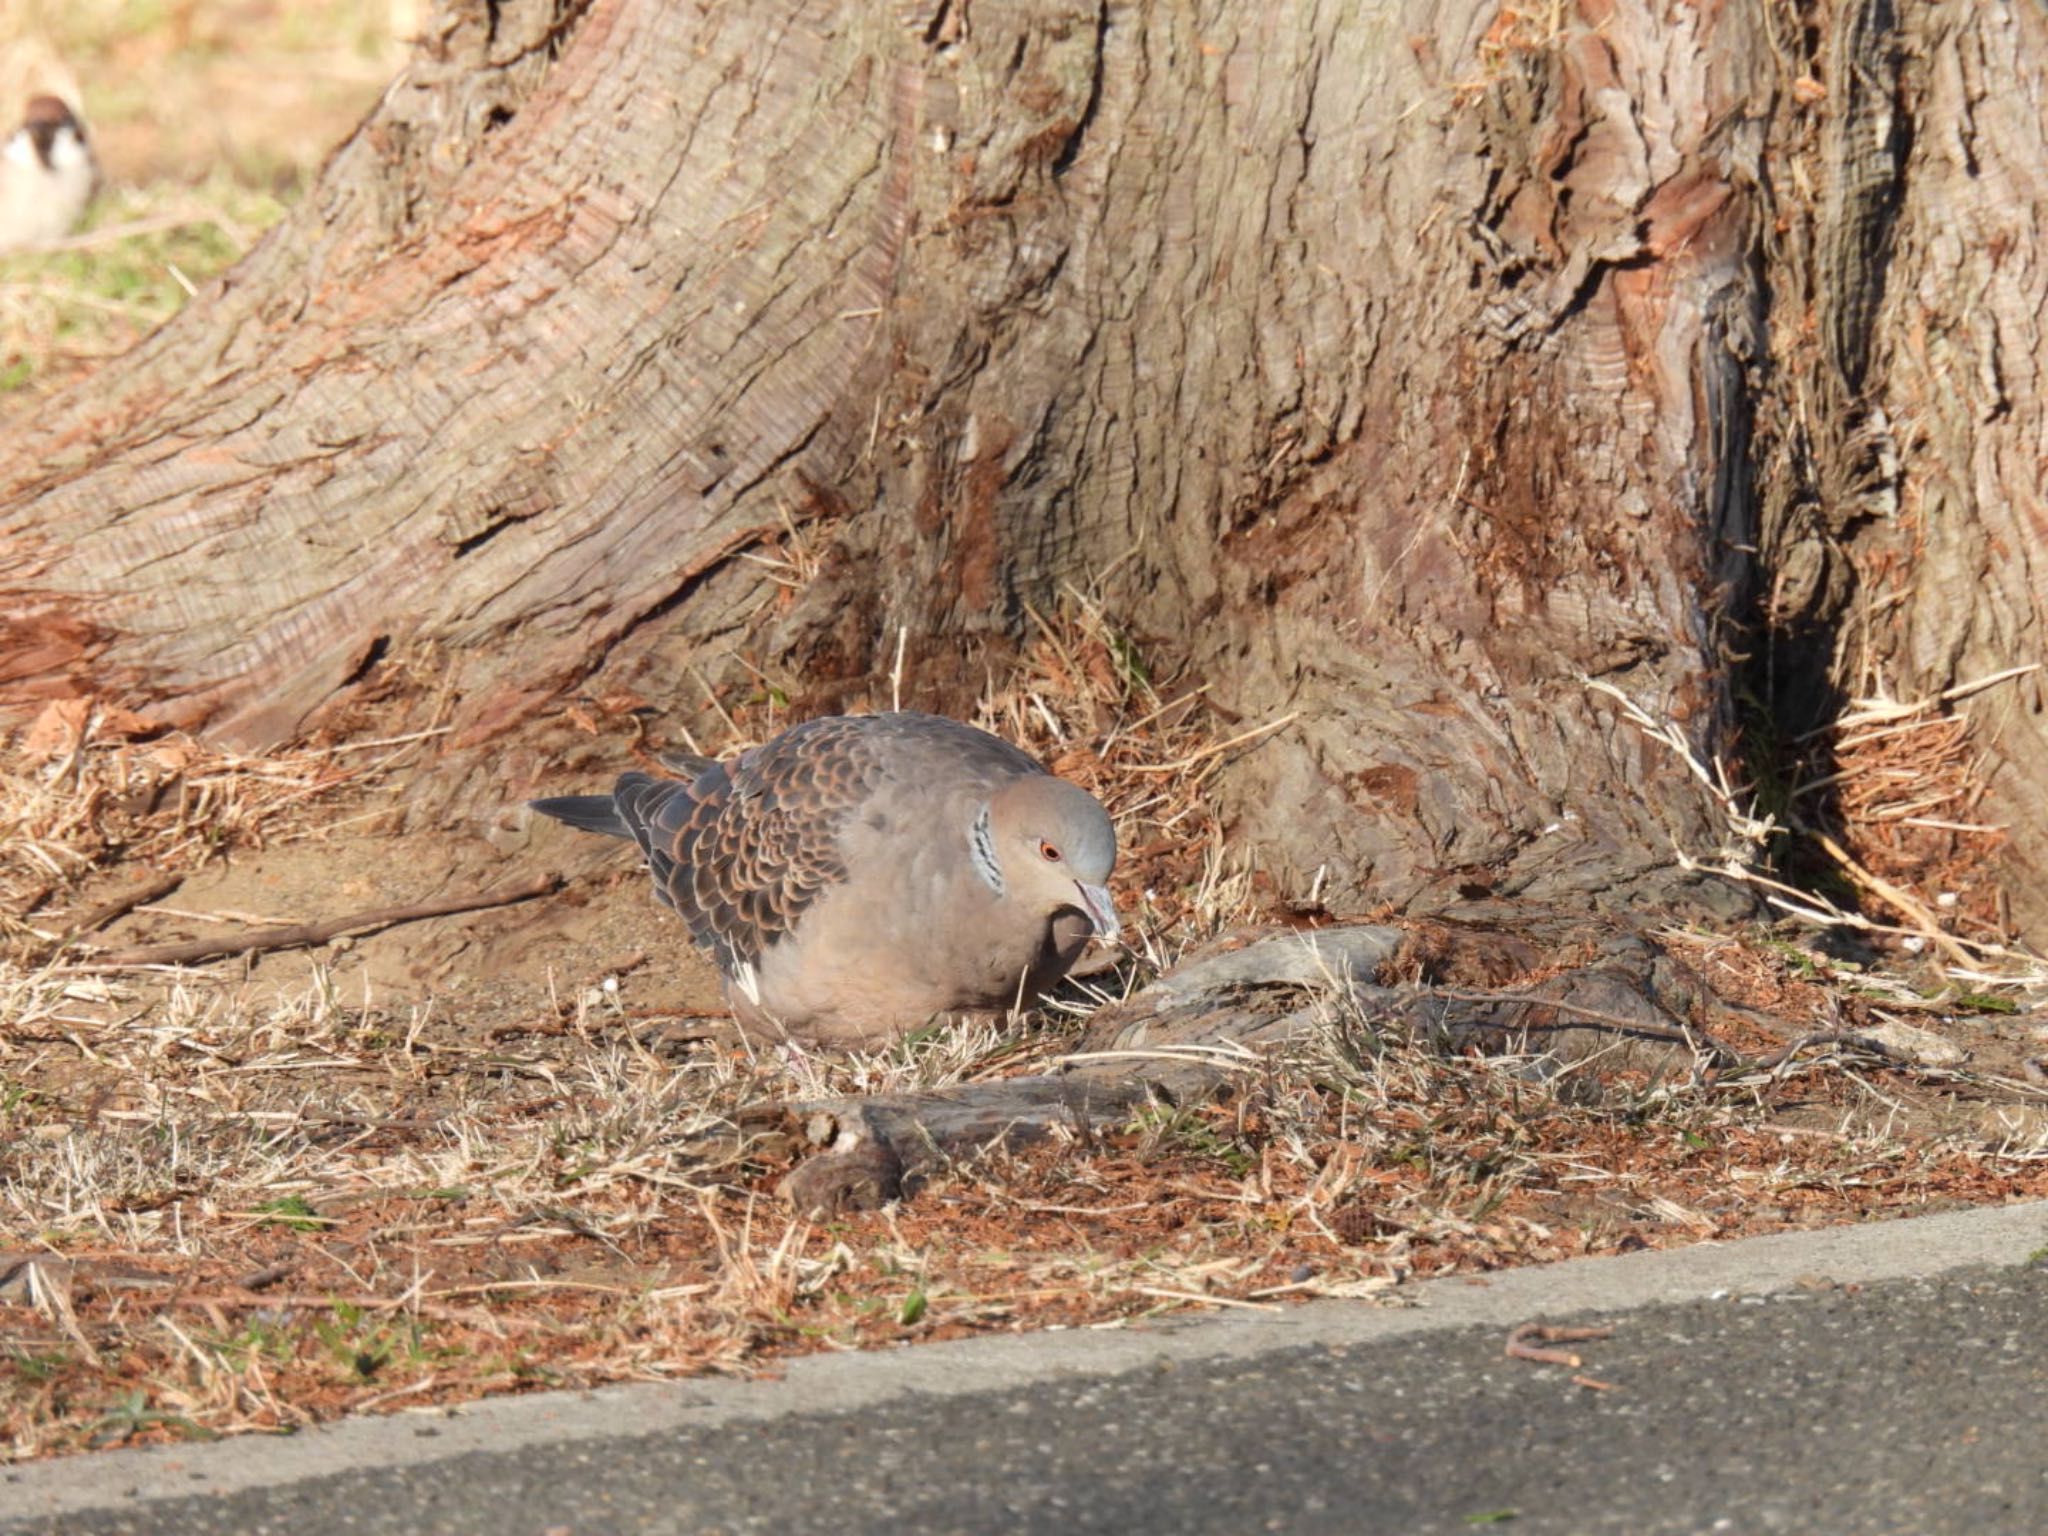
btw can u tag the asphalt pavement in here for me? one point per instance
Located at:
(1886, 1378)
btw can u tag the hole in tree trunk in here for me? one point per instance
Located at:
(373, 653)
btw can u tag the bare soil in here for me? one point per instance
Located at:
(497, 1152)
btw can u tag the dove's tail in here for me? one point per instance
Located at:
(588, 813)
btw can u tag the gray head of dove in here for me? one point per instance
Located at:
(1048, 846)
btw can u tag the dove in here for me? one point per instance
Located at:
(858, 875)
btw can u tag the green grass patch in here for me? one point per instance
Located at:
(136, 264)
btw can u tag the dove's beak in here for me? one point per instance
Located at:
(1100, 909)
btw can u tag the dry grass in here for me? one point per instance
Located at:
(1905, 784)
(234, 1209)
(91, 788)
(243, 1218)
(1881, 810)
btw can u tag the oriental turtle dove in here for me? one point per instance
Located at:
(859, 874)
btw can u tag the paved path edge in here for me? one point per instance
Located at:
(1881, 1250)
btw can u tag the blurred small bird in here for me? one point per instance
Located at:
(859, 874)
(47, 175)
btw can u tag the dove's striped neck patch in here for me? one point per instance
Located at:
(981, 841)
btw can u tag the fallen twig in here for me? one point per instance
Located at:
(299, 935)
(1200, 1298)
(1776, 1059)
(121, 904)
(1518, 1347)
(1687, 1035)
(269, 1275)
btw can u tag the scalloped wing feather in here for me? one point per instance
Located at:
(740, 850)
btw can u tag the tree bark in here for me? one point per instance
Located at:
(1401, 364)
(1903, 510)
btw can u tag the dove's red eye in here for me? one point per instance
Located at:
(1047, 852)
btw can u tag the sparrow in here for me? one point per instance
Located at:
(47, 175)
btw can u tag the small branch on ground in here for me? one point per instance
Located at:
(301, 935)
(120, 905)
(1778, 1058)
(267, 1276)
(117, 907)
(1689, 1036)
(1519, 1347)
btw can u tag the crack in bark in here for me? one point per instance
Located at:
(1071, 149)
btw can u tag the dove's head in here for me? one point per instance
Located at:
(1050, 847)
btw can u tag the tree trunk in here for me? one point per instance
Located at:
(1902, 473)
(1399, 365)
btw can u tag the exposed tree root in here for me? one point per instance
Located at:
(1199, 1029)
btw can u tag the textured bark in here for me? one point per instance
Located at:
(1394, 362)
(520, 372)
(1905, 519)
